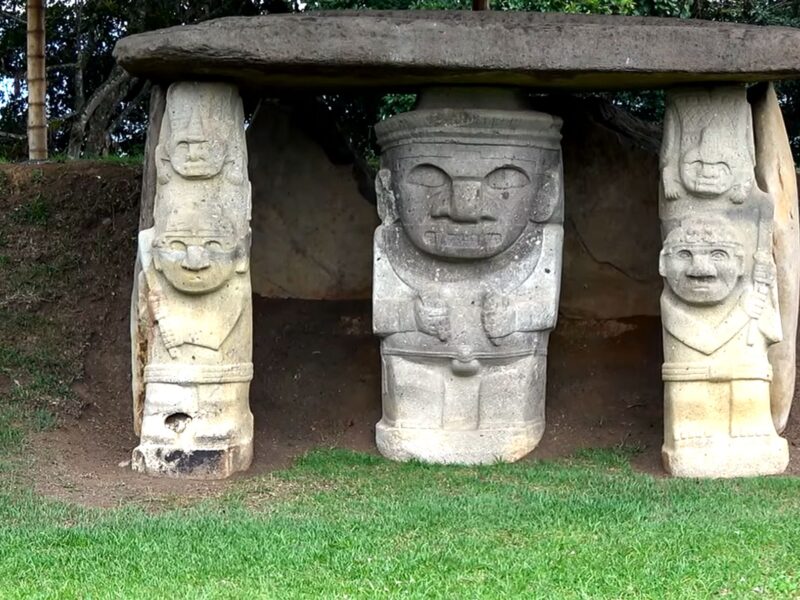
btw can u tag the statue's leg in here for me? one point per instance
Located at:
(413, 392)
(696, 410)
(750, 409)
(512, 404)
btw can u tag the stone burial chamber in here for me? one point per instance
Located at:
(468, 256)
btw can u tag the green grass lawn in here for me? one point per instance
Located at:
(343, 525)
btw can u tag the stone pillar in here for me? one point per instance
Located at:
(719, 307)
(467, 269)
(775, 173)
(192, 314)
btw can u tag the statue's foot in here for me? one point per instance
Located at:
(726, 457)
(468, 447)
(191, 463)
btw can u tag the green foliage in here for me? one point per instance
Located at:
(80, 36)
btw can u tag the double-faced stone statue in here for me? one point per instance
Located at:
(467, 267)
(719, 307)
(192, 326)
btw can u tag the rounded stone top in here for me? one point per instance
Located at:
(409, 49)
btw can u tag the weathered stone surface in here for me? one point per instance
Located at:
(192, 336)
(776, 174)
(412, 48)
(158, 101)
(467, 268)
(611, 230)
(312, 230)
(719, 308)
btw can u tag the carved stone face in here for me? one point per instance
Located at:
(715, 164)
(706, 176)
(200, 257)
(702, 273)
(460, 201)
(197, 157)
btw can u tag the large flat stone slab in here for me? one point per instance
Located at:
(411, 48)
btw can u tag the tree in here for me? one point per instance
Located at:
(95, 106)
(37, 84)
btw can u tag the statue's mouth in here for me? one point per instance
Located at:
(463, 240)
(701, 283)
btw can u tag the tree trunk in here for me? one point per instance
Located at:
(87, 133)
(37, 85)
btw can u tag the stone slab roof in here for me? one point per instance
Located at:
(396, 50)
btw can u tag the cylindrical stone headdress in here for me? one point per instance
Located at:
(470, 116)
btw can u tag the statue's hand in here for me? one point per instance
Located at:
(164, 323)
(432, 316)
(764, 269)
(498, 317)
(740, 191)
(754, 303)
(672, 187)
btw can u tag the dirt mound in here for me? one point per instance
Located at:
(67, 246)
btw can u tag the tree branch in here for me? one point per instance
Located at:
(116, 79)
(12, 17)
(145, 89)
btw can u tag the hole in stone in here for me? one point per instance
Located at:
(177, 421)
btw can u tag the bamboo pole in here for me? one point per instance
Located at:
(37, 85)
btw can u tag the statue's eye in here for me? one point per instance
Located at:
(428, 176)
(177, 246)
(719, 255)
(506, 178)
(213, 245)
(685, 254)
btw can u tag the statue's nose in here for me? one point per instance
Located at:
(196, 259)
(708, 170)
(465, 202)
(194, 150)
(701, 266)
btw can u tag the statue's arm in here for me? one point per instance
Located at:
(534, 305)
(538, 307)
(669, 157)
(770, 323)
(392, 299)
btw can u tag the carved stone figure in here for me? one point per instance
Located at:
(467, 267)
(719, 306)
(192, 329)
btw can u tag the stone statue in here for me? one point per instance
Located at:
(719, 307)
(467, 267)
(193, 316)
